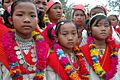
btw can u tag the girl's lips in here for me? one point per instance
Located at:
(28, 26)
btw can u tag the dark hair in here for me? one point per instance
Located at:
(80, 10)
(59, 24)
(2, 2)
(57, 28)
(115, 17)
(40, 17)
(86, 26)
(5, 16)
(16, 2)
(97, 18)
(99, 7)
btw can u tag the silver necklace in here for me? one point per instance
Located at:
(21, 58)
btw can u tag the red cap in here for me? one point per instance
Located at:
(79, 7)
(51, 3)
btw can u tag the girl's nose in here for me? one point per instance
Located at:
(26, 19)
(70, 37)
(103, 27)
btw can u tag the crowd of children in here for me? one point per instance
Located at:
(37, 42)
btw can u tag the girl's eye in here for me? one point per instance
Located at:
(44, 3)
(19, 14)
(33, 16)
(60, 8)
(64, 34)
(107, 25)
(74, 33)
(55, 8)
(77, 15)
(98, 25)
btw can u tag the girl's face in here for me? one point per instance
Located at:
(55, 12)
(95, 11)
(68, 36)
(79, 17)
(100, 31)
(7, 3)
(24, 18)
(113, 20)
(41, 4)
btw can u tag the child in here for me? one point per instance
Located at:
(78, 17)
(115, 28)
(98, 9)
(42, 7)
(24, 48)
(101, 50)
(54, 13)
(6, 4)
(63, 63)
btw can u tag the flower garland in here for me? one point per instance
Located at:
(67, 66)
(113, 58)
(83, 69)
(14, 68)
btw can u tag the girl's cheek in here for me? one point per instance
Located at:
(36, 19)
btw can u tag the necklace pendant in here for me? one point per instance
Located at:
(16, 48)
(18, 52)
(33, 55)
(30, 68)
(25, 65)
(34, 59)
(19, 56)
(21, 61)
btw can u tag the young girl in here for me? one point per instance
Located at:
(6, 6)
(115, 27)
(41, 7)
(78, 17)
(101, 50)
(24, 48)
(54, 13)
(64, 61)
(98, 9)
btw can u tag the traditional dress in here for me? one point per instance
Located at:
(24, 58)
(115, 33)
(101, 68)
(61, 66)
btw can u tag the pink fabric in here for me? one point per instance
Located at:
(9, 9)
(45, 34)
(79, 7)
(51, 3)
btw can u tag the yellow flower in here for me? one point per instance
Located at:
(114, 53)
(68, 67)
(75, 76)
(94, 52)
